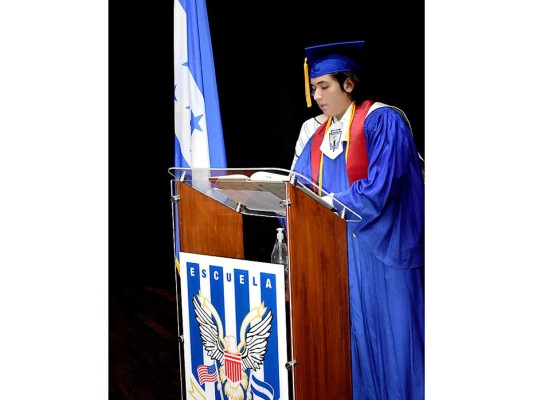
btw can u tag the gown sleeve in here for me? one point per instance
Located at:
(391, 199)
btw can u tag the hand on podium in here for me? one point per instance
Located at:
(329, 201)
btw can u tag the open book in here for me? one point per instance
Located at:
(256, 176)
(261, 191)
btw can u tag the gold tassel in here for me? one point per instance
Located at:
(307, 88)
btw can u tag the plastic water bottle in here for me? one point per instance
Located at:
(279, 253)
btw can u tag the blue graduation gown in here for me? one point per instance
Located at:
(386, 256)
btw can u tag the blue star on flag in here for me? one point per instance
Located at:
(195, 122)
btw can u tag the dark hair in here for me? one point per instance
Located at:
(359, 93)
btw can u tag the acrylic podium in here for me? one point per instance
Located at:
(208, 208)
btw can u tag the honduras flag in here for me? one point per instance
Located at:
(199, 142)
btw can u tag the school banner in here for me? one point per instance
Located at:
(234, 328)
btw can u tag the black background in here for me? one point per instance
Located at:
(258, 52)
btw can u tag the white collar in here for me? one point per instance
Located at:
(337, 133)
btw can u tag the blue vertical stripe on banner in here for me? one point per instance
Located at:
(192, 274)
(242, 297)
(271, 367)
(216, 278)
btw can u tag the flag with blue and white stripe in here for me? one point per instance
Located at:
(261, 390)
(199, 141)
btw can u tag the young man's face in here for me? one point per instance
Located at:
(329, 96)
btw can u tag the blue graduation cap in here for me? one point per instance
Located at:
(331, 58)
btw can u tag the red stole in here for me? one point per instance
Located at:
(357, 163)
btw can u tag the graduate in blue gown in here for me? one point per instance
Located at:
(364, 153)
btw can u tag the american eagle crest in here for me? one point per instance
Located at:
(235, 359)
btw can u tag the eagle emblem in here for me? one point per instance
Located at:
(235, 358)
